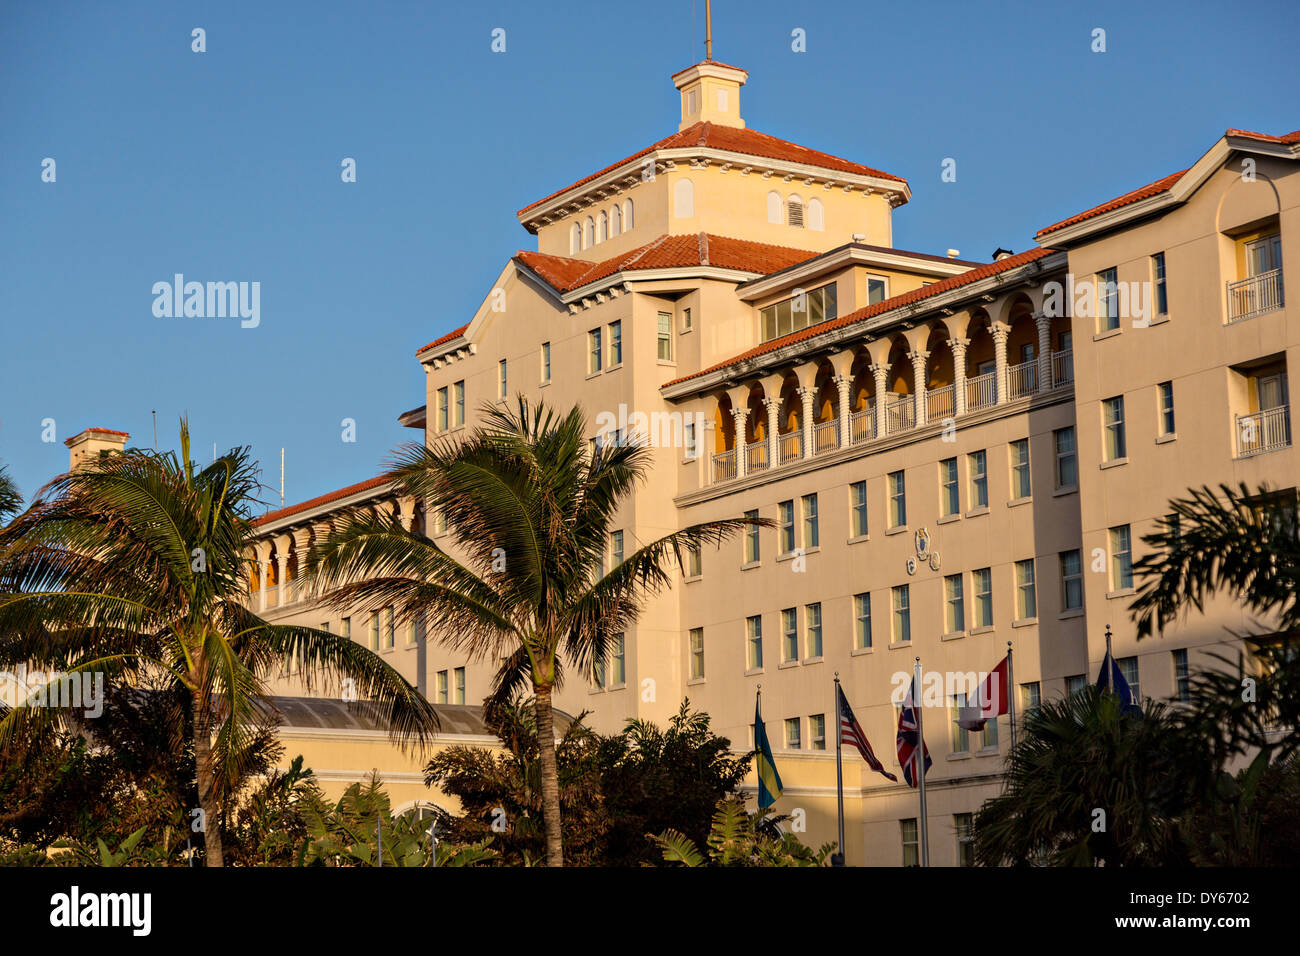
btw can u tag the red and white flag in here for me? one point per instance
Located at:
(991, 700)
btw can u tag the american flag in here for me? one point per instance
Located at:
(851, 733)
(908, 739)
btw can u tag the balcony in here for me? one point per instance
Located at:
(724, 465)
(862, 425)
(900, 414)
(1261, 432)
(1257, 295)
(940, 403)
(826, 436)
(981, 392)
(1022, 379)
(756, 455)
(1063, 367)
(791, 447)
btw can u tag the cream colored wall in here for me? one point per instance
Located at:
(649, 222)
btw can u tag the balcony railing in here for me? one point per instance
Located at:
(724, 465)
(1022, 379)
(757, 455)
(1063, 367)
(1261, 432)
(273, 596)
(900, 414)
(1257, 295)
(980, 391)
(791, 447)
(939, 404)
(862, 425)
(826, 436)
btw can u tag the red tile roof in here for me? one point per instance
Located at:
(444, 338)
(725, 66)
(95, 431)
(324, 499)
(730, 139)
(695, 249)
(1288, 139)
(906, 298)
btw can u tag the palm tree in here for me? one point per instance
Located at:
(10, 500)
(136, 569)
(531, 506)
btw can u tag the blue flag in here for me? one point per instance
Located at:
(1112, 679)
(769, 781)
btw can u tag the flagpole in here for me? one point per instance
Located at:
(1011, 694)
(839, 772)
(918, 756)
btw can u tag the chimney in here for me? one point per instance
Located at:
(86, 448)
(1000, 253)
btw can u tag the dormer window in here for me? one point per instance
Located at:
(602, 228)
(615, 221)
(794, 211)
(575, 239)
(588, 233)
(693, 102)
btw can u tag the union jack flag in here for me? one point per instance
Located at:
(851, 733)
(908, 737)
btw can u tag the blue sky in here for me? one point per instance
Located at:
(225, 166)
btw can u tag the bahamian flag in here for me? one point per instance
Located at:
(1112, 679)
(769, 781)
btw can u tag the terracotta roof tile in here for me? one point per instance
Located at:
(906, 298)
(324, 499)
(95, 431)
(725, 66)
(1289, 139)
(445, 338)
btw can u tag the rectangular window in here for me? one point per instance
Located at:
(876, 290)
(752, 551)
(798, 312)
(982, 586)
(546, 362)
(911, 842)
(964, 826)
(897, 499)
(858, 508)
(1031, 696)
(459, 391)
(1166, 393)
(1112, 410)
(688, 440)
(1108, 299)
(1158, 280)
(346, 629)
(615, 549)
(444, 406)
(902, 600)
(694, 561)
(792, 741)
(1020, 469)
(977, 465)
(1121, 558)
(1026, 598)
(754, 627)
(862, 621)
(665, 337)
(960, 735)
(1182, 677)
(697, 653)
(1067, 461)
(686, 320)
(388, 628)
(812, 614)
(598, 673)
(1128, 666)
(459, 677)
(1071, 580)
(811, 538)
(618, 661)
(949, 495)
(410, 633)
(1074, 684)
(817, 731)
(615, 343)
(374, 630)
(786, 511)
(442, 687)
(503, 387)
(954, 603)
(595, 352)
(789, 635)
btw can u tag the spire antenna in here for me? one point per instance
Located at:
(708, 29)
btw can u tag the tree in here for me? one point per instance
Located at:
(10, 499)
(739, 838)
(531, 506)
(135, 569)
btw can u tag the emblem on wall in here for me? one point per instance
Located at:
(924, 554)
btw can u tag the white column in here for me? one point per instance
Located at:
(844, 383)
(1044, 324)
(880, 372)
(958, 347)
(263, 568)
(999, 333)
(808, 393)
(740, 414)
(773, 406)
(918, 358)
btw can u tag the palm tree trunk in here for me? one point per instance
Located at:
(550, 775)
(212, 849)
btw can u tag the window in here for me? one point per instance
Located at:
(862, 621)
(627, 215)
(960, 738)
(575, 239)
(1158, 281)
(616, 549)
(1128, 666)
(688, 440)
(902, 614)
(816, 214)
(615, 221)
(1166, 392)
(817, 731)
(1182, 677)
(798, 312)
(1020, 469)
(665, 337)
(954, 604)
(588, 233)
(458, 676)
(502, 387)
(977, 465)
(1067, 462)
(897, 500)
(442, 687)
(686, 320)
(810, 535)
(694, 561)
(858, 508)
(911, 844)
(1108, 300)
(794, 211)
(410, 632)
(1031, 697)
(388, 628)
(789, 635)
(949, 495)
(602, 228)
(439, 523)
(697, 653)
(786, 511)
(1264, 255)
(964, 826)
(595, 353)
(1074, 684)
(982, 586)
(792, 741)
(458, 390)
(1071, 580)
(546, 362)
(752, 552)
(1121, 558)
(754, 628)
(346, 629)
(1026, 599)
(989, 735)
(615, 343)
(618, 661)
(812, 614)
(1112, 410)
(877, 290)
(443, 409)
(683, 199)
(374, 630)
(774, 207)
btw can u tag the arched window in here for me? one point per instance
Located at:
(774, 207)
(816, 215)
(683, 199)
(602, 227)
(575, 238)
(588, 233)
(627, 215)
(794, 211)
(615, 221)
